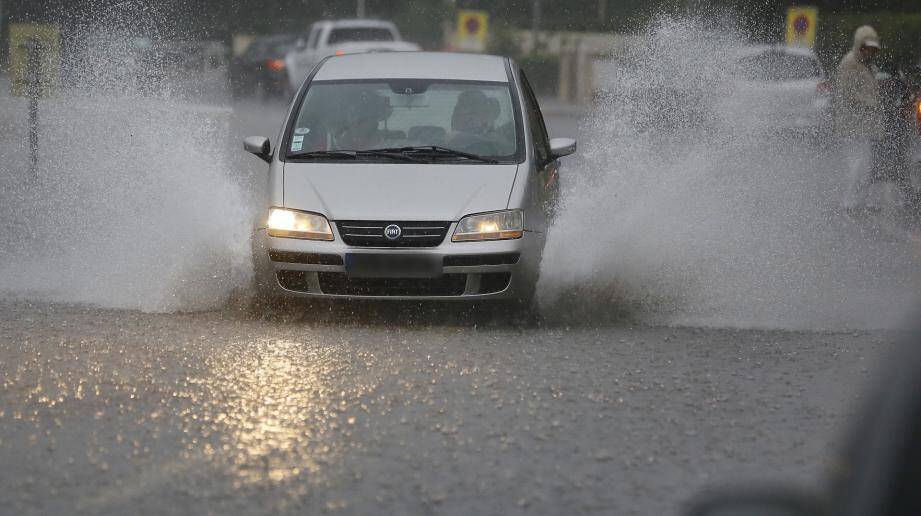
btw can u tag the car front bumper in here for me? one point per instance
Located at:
(466, 271)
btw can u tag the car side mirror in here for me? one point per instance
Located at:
(259, 146)
(300, 44)
(773, 501)
(560, 147)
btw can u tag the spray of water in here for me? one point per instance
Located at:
(689, 208)
(685, 208)
(135, 204)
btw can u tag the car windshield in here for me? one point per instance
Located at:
(476, 118)
(778, 67)
(360, 34)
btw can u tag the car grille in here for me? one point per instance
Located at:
(365, 233)
(340, 284)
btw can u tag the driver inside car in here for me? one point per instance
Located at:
(472, 123)
(361, 127)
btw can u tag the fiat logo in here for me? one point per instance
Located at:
(393, 232)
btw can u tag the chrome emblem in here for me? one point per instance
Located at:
(393, 232)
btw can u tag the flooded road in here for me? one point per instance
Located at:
(114, 412)
(682, 347)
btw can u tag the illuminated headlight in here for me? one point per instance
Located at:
(298, 224)
(501, 225)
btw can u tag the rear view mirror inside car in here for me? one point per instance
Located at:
(410, 86)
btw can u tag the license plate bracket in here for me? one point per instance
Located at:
(369, 265)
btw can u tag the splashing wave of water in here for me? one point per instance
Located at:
(134, 205)
(687, 209)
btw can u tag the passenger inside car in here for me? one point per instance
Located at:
(361, 127)
(472, 123)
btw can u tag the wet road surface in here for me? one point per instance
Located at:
(380, 410)
(119, 412)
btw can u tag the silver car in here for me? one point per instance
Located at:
(408, 176)
(781, 88)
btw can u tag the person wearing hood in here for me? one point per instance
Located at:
(857, 114)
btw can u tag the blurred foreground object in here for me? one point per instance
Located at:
(878, 471)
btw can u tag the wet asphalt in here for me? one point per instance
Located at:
(398, 409)
(441, 412)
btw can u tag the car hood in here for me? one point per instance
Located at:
(374, 191)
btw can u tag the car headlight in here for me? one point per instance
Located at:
(298, 224)
(500, 225)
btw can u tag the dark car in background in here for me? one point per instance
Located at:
(261, 69)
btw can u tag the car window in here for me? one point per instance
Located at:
(777, 67)
(471, 117)
(359, 34)
(536, 123)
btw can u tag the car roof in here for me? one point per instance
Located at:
(358, 22)
(414, 65)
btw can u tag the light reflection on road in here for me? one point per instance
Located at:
(271, 406)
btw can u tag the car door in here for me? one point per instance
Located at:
(547, 187)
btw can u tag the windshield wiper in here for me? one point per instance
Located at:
(323, 155)
(387, 153)
(354, 155)
(435, 150)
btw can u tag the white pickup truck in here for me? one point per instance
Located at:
(327, 38)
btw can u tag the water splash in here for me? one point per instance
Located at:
(135, 204)
(686, 208)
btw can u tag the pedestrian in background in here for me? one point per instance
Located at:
(858, 119)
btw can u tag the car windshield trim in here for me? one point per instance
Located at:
(517, 157)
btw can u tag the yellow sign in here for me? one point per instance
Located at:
(472, 28)
(802, 23)
(35, 56)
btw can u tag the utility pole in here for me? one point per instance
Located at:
(360, 9)
(33, 78)
(535, 16)
(535, 23)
